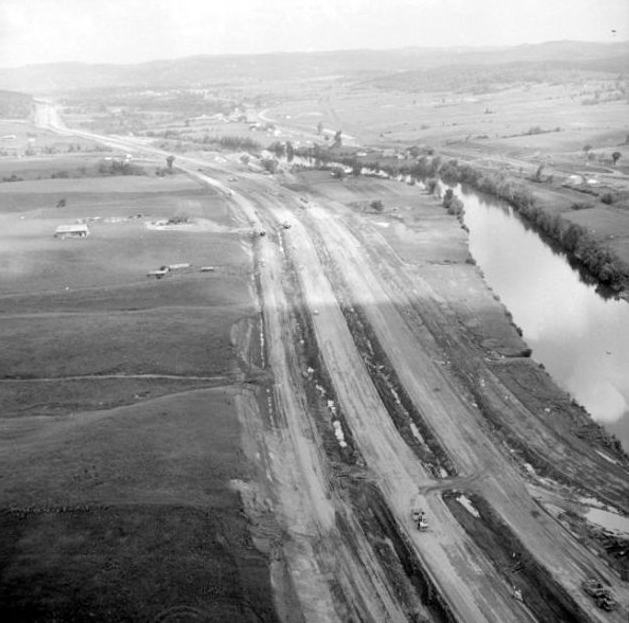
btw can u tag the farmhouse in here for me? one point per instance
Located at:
(79, 230)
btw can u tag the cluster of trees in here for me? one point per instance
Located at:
(236, 143)
(589, 154)
(119, 167)
(283, 149)
(168, 169)
(79, 172)
(270, 164)
(452, 203)
(12, 178)
(178, 219)
(185, 142)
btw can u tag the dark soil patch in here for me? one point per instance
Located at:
(130, 563)
(128, 514)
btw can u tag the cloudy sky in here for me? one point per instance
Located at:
(128, 31)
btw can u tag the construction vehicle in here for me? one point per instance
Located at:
(419, 518)
(600, 593)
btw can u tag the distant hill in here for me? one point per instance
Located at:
(14, 105)
(483, 77)
(352, 64)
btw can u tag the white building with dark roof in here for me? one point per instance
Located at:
(78, 230)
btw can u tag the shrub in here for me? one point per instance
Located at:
(119, 167)
(338, 172)
(178, 219)
(270, 164)
(13, 178)
(452, 203)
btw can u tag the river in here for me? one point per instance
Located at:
(581, 337)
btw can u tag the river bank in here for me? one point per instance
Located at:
(539, 204)
(576, 332)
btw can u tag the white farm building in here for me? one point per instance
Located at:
(80, 230)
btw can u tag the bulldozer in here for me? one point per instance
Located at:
(600, 594)
(419, 519)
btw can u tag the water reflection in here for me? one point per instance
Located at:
(581, 337)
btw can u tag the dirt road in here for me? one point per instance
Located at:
(336, 465)
(455, 421)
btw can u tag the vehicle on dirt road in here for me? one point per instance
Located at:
(419, 518)
(600, 593)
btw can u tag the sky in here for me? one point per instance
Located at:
(131, 31)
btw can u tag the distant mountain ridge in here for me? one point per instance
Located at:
(358, 64)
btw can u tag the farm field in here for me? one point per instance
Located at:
(120, 436)
(128, 514)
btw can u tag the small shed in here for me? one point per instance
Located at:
(78, 230)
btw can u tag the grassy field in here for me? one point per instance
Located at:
(438, 118)
(115, 496)
(119, 250)
(127, 514)
(65, 396)
(173, 341)
(24, 140)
